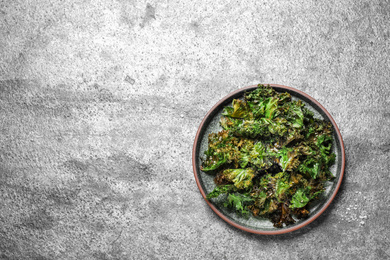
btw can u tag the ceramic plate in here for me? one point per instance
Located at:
(252, 224)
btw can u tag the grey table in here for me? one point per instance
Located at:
(100, 102)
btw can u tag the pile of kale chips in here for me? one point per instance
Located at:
(272, 157)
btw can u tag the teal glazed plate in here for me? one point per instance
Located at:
(252, 224)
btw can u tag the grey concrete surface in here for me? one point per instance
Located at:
(100, 102)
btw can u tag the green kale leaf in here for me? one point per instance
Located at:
(242, 178)
(302, 196)
(239, 202)
(222, 189)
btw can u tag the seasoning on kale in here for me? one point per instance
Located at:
(272, 157)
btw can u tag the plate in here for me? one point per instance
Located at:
(257, 225)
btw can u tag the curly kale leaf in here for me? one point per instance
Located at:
(310, 167)
(260, 198)
(319, 159)
(277, 187)
(223, 149)
(256, 128)
(278, 126)
(247, 128)
(265, 91)
(257, 108)
(260, 93)
(242, 178)
(282, 186)
(256, 155)
(261, 157)
(288, 158)
(292, 112)
(270, 206)
(239, 202)
(218, 160)
(222, 189)
(296, 114)
(271, 107)
(246, 147)
(302, 196)
(324, 143)
(240, 109)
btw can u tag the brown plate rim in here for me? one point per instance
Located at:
(287, 229)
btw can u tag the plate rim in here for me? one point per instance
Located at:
(283, 230)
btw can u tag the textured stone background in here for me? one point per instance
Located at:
(100, 102)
